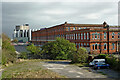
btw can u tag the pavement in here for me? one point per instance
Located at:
(71, 71)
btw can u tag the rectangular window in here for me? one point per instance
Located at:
(118, 35)
(113, 45)
(68, 28)
(76, 35)
(81, 44)
(84, 44)
(92, 35)
(87, 35)
(105, 35)
(81, 36)
(84, 35)
(74, 28)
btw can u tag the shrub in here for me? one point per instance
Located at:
(59, 49)
(8, 51)
(8, 56)
(23, 55)
(81, 56)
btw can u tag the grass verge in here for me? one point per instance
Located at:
(28, 69)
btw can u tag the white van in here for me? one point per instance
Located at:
(95, 61)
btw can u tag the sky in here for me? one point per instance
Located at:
(41, 14)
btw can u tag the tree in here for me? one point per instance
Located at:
(8, 51)
(59, 49)
(15, 40)
(34, 52)
(80, 56)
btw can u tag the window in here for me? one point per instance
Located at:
(81, 44)
(76, 44)
(105, 46)
(93, 46)
(96, 46)
(84, 44)
(81, 35)
(87, 44)
(92, 35)
(105, 34)
(99, 46)
(118, 35)
(74, 28)
(99, 35)
(68, 28)
(95, 35)
(76, 35)
(87, 35)
(113, 45)
(84, 35)
(79, 28)
(113, 34)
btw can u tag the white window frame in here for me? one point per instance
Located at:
(81, 36)
(87, 36)
(84, 35)
(104, 46)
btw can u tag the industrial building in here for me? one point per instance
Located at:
(22, 33)
(96, 38)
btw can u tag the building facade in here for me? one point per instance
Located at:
(96, 38)
(22, 33)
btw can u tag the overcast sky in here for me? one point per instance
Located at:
(47, 14)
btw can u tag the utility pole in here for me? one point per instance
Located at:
(108, 38)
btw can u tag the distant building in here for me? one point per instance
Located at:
(96, 38)
(22, 33)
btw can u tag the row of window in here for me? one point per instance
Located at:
(78, 36)
(97, 35)
(82, 44)
(98, 46)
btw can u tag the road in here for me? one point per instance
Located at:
(71, 71)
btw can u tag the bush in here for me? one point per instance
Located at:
(8, 56)
(34, 52)
(23, 55)
(81, 56)
(59, 49)
(101, 56)
(8, 51)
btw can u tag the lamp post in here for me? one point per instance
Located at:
(107, 26)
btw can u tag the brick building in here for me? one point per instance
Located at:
(96, 38)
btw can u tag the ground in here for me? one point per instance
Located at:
(28, 69)
(54, 69)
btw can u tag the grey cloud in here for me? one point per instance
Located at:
(46, 14)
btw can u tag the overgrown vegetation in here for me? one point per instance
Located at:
(28, 69)
(81, 56)
(59, 49)
(8, 51)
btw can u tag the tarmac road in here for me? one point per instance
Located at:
(70, 71)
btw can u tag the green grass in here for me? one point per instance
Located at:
(28, 69)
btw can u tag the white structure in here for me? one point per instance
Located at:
(22, 33)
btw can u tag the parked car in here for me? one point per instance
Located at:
(100, 65)
(95, 61)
